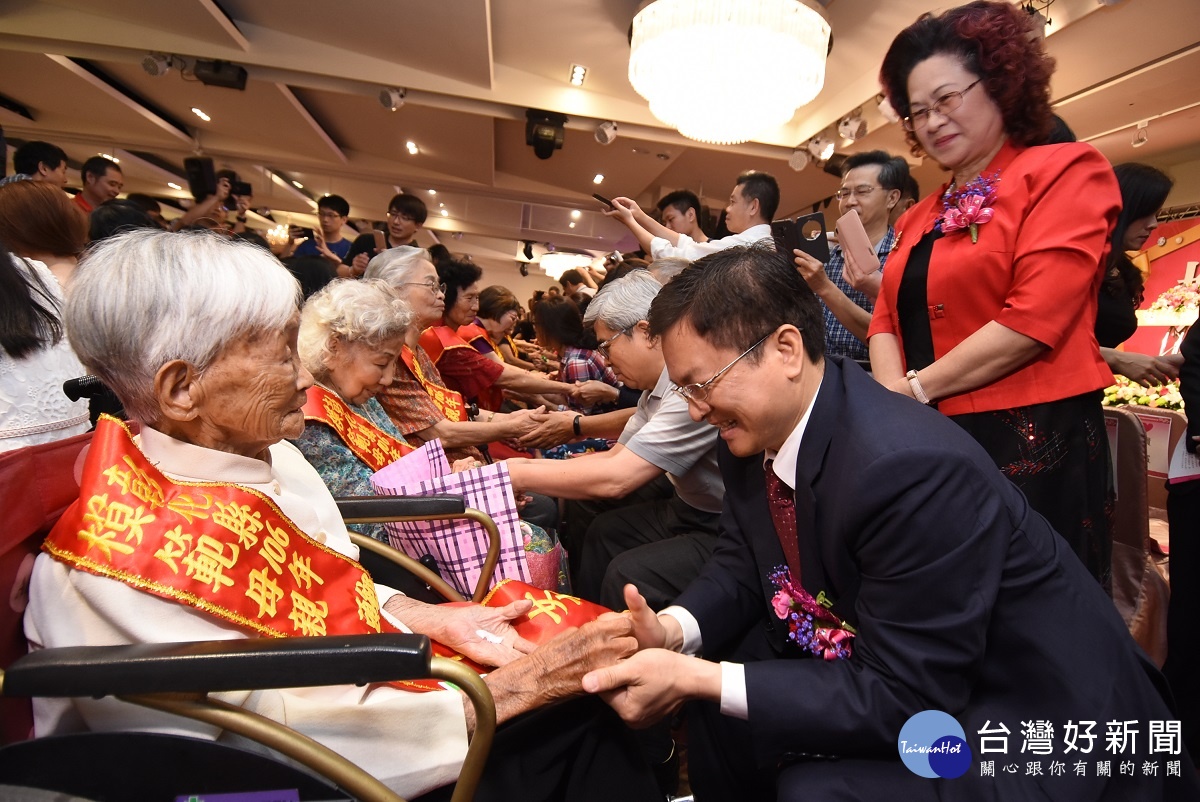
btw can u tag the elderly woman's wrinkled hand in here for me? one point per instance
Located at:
(465, 464)
(558, 428)
(525, 421)
(593, 392)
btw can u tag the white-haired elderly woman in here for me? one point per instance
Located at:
(418, 401)
(183, 533)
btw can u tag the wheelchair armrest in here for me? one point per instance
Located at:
(220, 665)
(380, 509)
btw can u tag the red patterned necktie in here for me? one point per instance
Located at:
(782, 502)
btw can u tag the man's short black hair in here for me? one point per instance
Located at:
(27, 157)
(97, 166)
(571, 276)
(893, 170)
(735, 297)
(336, 204)
(410, 206)
(762, 187)
(911, 189)
(682, 200)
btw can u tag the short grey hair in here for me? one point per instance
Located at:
(396, 265)
(622, 303)
(666, 268)
(367, 311)
(144, 298)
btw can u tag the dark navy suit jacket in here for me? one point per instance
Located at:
(965, 601)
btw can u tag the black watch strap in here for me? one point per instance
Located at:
(575, 425)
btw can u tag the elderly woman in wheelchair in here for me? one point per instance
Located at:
(208, 525)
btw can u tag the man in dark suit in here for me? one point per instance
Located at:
(873, 564)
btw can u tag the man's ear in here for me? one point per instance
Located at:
(177, 390)
(755, 207)
(893, 197)
(789, 342)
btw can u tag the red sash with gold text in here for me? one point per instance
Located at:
(372, 445)
(449, 402)
(227, 550)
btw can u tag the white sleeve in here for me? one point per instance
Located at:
(691, 628)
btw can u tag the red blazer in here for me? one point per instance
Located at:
(1036, 269)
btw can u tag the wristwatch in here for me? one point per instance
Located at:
(575, 424)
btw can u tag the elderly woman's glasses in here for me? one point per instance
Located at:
(919, 118)
(699, 393)
(436, 289)
(603, 347)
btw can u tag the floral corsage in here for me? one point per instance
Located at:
(811, 624)
(969, 207)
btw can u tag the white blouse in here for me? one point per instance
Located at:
(33, 407)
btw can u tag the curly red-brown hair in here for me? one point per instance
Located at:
(997, 42)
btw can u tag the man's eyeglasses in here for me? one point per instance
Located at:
(436, 289)
(858, 192)
(603, 347)
(393, 214)
(919, 118)
(699, 393)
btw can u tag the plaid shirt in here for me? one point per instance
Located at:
(838, 339)
(580, 365)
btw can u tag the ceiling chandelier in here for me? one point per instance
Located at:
(726, 71)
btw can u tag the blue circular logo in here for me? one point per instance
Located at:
(932, 744)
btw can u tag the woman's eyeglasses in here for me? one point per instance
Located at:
(951, 101)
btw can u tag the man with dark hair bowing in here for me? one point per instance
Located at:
(873, 564)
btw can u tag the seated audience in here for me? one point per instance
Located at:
(491, 332)
(479, 379)
(660, 544)
(406, 215)
(418, 401)
(873, 563)
(215, 395)
(559, 327)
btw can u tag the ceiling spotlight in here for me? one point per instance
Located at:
(599, 179)
(157, 64)
(570, 225)
(606, 132)
(821, 147)
(527, 250)
(433, 192)
(200, 113)
(885, 108)
(173, 185)
(852, 126)
(1142, 135)
(391, 98)
(544, 131)
(798, 160)
(412, 147)
(578, 73)
(297, 184)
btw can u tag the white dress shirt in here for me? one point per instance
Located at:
(689, 249)
(733, 675)
(413, 742)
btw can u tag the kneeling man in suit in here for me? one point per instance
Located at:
(873, 564)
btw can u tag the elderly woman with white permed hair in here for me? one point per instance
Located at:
(182, 533)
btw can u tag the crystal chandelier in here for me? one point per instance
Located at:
(725, 71)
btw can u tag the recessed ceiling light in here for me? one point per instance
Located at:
(574, 214)
(599, 179)
(412, 147)
(570, 225)
(173, 185)
(441, 206)
(113, 159)
(297, 184)
(201, 114)
(578, 73)
(432, 191)
(445, 213)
